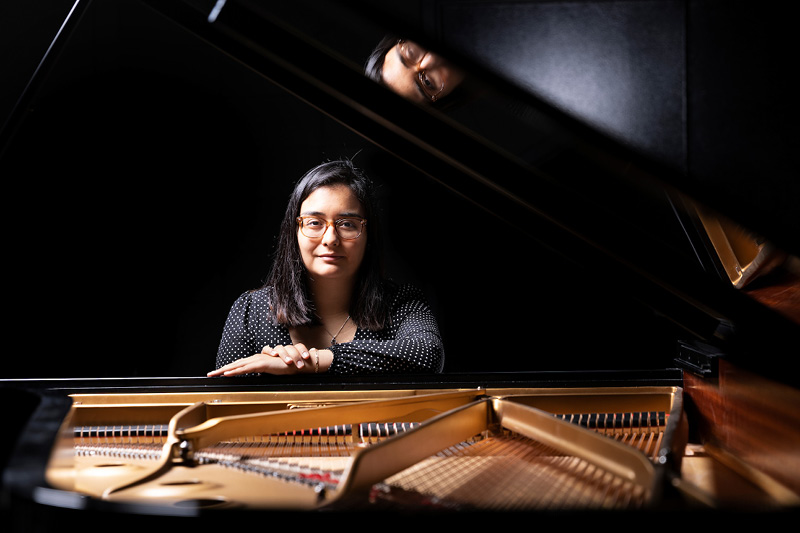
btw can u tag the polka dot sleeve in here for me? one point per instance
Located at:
(249, 328)
(411, 343)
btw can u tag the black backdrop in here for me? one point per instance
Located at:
(142, 196)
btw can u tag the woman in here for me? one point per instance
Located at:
(325, 306)
(412, 71)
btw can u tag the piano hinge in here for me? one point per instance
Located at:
(699, 358)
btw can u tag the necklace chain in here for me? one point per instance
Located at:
(333, 337)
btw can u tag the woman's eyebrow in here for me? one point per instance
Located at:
(401, 57)
(355, 214)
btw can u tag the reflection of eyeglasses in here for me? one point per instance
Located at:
(431, 83)
(348, 229)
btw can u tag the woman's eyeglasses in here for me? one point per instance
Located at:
(348, 228)
(431, 83)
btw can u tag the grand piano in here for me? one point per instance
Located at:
(616, 340)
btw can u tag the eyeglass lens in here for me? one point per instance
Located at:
(347, 228)
(430, 81)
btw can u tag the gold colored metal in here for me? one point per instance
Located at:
(742, 254)
(309, 450)
(571, 439)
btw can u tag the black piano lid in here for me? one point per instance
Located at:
(277, 41)
(549, 201)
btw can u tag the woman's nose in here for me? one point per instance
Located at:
(330, 236)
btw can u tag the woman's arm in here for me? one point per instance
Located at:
(248, 329)
(411, 344)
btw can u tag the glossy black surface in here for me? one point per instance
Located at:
(163, 147)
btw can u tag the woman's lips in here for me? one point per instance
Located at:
(331, 257)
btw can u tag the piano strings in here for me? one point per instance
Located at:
(641, 430)
(156, 433)
(315, 456)
(508, 472)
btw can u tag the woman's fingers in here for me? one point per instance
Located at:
(296, 354)
(234, 367)
(255, 364)
(273, 360)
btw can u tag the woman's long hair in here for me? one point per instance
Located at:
(291, 302)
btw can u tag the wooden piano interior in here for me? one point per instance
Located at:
(503, 449)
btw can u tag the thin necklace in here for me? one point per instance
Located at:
(333, 338)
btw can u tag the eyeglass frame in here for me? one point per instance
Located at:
(421, 72)
(333, 224)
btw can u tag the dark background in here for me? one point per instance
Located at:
(143, 191)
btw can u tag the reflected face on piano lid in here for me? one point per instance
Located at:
(419, 74)
(329, 256)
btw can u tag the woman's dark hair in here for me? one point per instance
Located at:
(373, 68)
(291, 303)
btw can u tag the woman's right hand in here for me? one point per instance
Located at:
(291, 359)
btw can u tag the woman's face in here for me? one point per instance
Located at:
(417, 74)
(329, 256)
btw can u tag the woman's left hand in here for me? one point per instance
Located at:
(293, 355)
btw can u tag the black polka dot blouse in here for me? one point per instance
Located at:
(410, 344)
